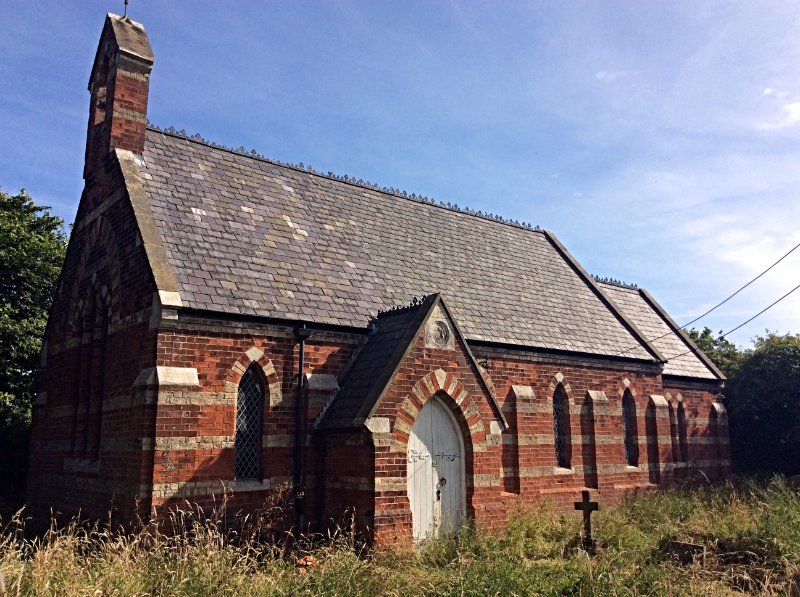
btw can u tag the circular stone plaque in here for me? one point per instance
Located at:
(441, 334)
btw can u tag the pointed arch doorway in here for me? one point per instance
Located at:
(436, 487)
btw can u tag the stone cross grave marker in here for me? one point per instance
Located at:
(587, 507)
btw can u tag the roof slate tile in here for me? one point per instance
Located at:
(360, 251)
(679, 362)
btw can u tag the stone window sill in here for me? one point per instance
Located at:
(249, 485)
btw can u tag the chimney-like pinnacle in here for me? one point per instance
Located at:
(119, 87)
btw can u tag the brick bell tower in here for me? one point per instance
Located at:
(119, 85)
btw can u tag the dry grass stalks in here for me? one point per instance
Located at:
(751, 532)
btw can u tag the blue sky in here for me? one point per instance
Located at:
(660, 141)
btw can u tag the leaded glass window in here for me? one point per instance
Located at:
(560, 428)
(682, 433)
(673, 432)
(629, 430)
(247, 444)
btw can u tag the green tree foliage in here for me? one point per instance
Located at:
(722, 352)
(32, 248)
(764, 406)
(762, 396)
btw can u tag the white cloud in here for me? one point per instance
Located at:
(603, 75)
(791, 117)
(729, 239)
(711, 224)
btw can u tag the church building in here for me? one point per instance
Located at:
(230, 323)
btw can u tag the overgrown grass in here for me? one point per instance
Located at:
(751, 530)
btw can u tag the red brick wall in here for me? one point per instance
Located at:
(597, 456)
(186, 434)
(193, 443)
(464, 392)
(345, 468)
(76, 462)
(706, 433)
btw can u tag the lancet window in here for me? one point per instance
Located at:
(682, 442)
(629, 431)
(560, 424)
(247, 443)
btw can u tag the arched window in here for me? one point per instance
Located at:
(716, 435)
(247, 444)
(629, 430)
(673, 433)
(560, 427)
(684, 448)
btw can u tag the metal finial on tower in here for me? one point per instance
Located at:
(125, 14)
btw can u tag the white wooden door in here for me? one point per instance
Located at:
(435, 474)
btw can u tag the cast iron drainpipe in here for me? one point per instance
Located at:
(302, 335)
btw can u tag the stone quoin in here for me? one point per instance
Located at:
(222, 312)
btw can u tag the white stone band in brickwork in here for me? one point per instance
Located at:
(120, 112)
(167, 376)
(523, 392)
(607, 469)
(390, 483)
(200, 442)
(216, 487)
(546, 439)
(143, 397)
(481, 480)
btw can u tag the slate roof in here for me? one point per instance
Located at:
(660, 333)
(248, 236)
(375, 363)
(374, 366)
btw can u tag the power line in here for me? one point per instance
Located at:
(694, 350)
(684, 326)
(742, 288)
(746, 322)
